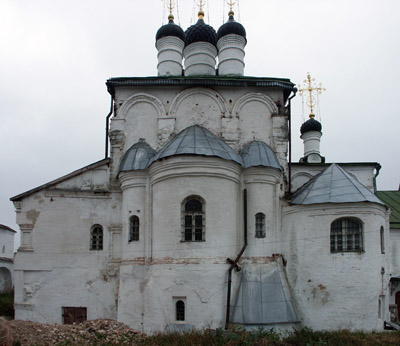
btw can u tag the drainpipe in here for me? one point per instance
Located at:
(234, 263)
(107, 125)
(290, 139)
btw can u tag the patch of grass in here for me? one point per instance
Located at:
(7, 304)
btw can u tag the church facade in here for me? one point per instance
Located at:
(197, 219)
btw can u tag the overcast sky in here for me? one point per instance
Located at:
(56, 56)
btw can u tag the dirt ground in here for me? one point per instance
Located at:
(94, 332)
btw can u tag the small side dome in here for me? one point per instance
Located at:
(197, 140)
(170, 29)
(200, 32)
(258, 153)
(231, 27)
(311, 125)
(138, 156)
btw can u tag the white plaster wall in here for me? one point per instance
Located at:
(255, 122)
(6, 243)
(394, 251)
(134, 187)
(213, 179)
(198, 106)
(263, 186)
(150, 291)
(340, 290)
(58, 268)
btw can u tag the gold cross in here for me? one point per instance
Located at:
(310, 86)
(170, 7)
(231, 3)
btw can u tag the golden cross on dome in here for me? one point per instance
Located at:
(310, 87)
(170, 7)
(201, 11)
(231, 3)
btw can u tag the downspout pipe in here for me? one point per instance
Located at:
(108, 125)
(234, 263)
(290, 139)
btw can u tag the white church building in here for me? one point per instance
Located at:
(197, 218)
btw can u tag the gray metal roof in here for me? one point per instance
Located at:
(7, 228)
(137, 157)
(263, 297)
(196, 140)
(334, 185)
(258, 153)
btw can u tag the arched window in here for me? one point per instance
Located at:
(193, 219)
(260, 225)
(180, 310)
(346, 235)
(134, 228)
(96, 238)
(382, 232)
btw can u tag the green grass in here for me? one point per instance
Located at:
(7, 304)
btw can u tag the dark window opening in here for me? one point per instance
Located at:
(96, 238)
(260, 225)
(134, 228)
(193, 228)
(346, 236)
(180, 310)
(382, 232)
(74, 315)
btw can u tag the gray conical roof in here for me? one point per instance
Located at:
(196, 140)
(137, 157)
(334, 185)
(258, 153)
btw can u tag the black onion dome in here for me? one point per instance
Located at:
(170, 29)
(200, 32)
(311, 125)
(231, 27)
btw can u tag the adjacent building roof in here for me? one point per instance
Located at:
(7, 228)
(334, 185)
(258, 153)
(197, 140)
(392, 200)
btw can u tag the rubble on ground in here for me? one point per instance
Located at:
(95, 332)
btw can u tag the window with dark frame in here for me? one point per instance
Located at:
(346, 235)
(96, 238)
(260, 225)
(382, 233)
(134, 228)
(180, 310)
(193, 228)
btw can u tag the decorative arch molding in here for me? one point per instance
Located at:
(302, 175)
(198, 91)
(267, 101)
(142, 98)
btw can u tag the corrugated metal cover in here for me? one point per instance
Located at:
(263, 297)
(334, 185)
(137, 157)
(196, 140)
(392, 200)
(258, 153)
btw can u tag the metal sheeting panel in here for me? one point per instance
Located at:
(334, 185)
(258, 153)
(392, 200)
(263, 297)
(137, 157)
(196, 140)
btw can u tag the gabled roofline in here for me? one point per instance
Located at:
(7, 228)
(61, 179)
